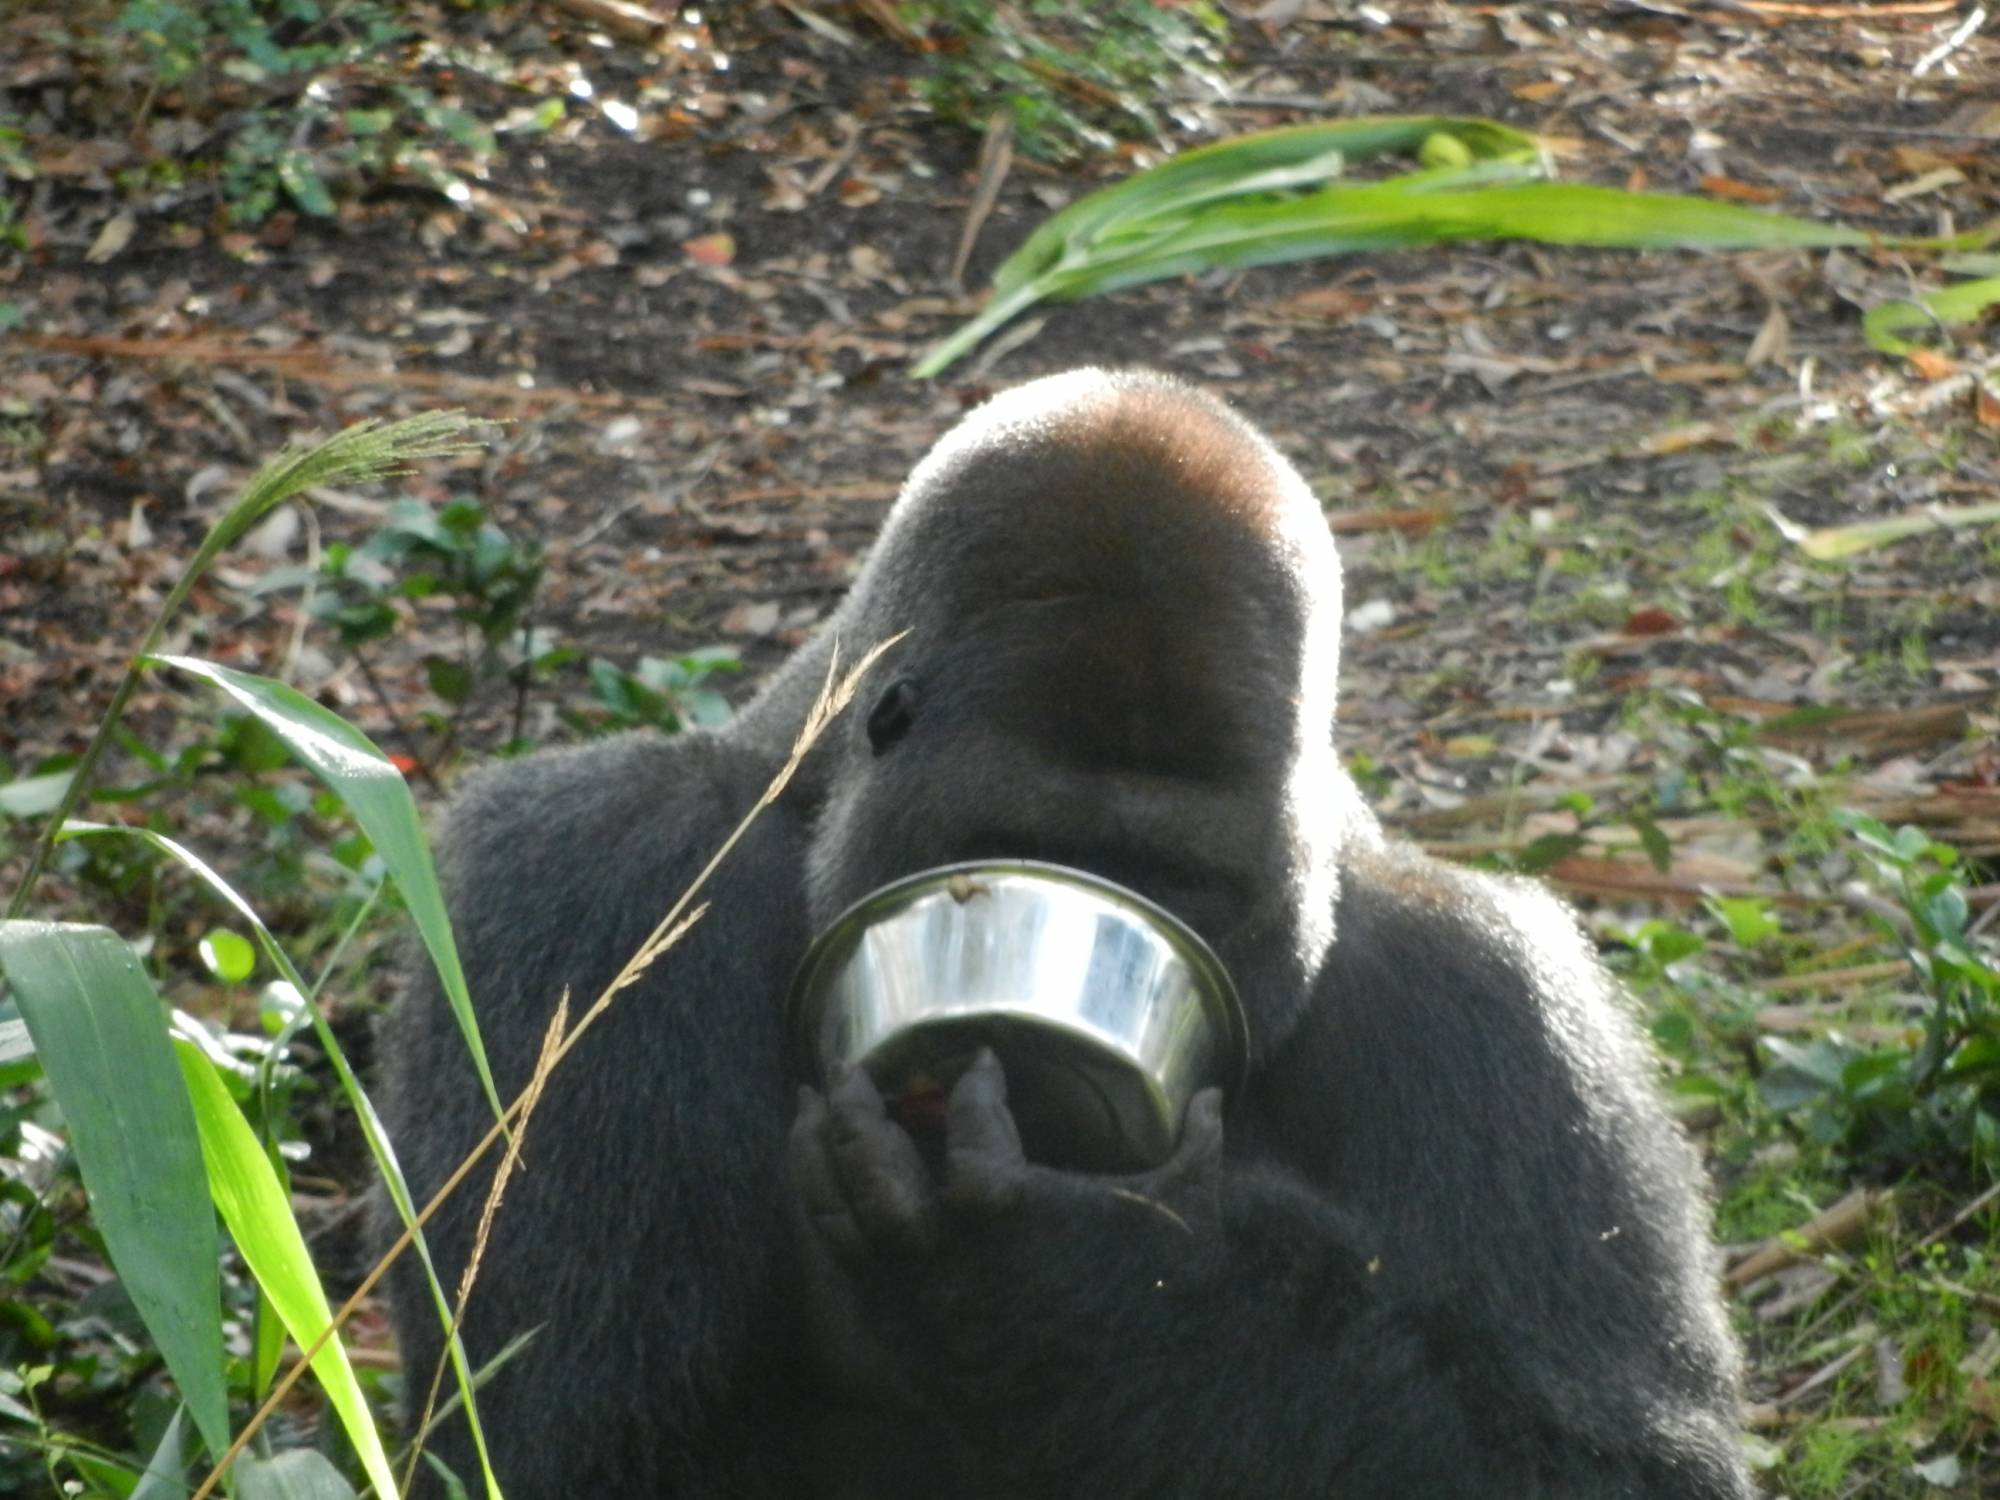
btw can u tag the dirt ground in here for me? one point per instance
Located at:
(704, 448)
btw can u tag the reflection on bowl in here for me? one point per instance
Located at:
(1107, 1013)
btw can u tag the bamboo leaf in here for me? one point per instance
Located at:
(1294, 156)
(375, 792)
(372, 1132)
(295, 1474)
(101, 1034)
(1272, 197)
(1344, 219)
(259, 1216)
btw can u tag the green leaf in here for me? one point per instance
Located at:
(450, 680)
(165, 1476)
(1802, 1073)
(1547, 850)
(259, 1216)
(101, 1034)
(296, 1474)
(1748, 919)
(299, 175)
(228, 957)
(33, 796)
(1240, 203)
(1869, 831)
(1884, 324)
(1653, 839)
(1668, 942)
(375, 792)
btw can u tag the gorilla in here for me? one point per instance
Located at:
(1443, 1242)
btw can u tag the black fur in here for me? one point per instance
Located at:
(1445, 1243)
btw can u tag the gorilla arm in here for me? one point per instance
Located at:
(1442, 1253)
(640, 1237)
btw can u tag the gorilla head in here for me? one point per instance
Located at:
(1123, 609)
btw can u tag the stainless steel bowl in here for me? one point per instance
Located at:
(1107, 1013)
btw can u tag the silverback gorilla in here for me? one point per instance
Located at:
(1443, 1244)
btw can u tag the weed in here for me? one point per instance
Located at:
(1939, 1091)
(666, 693)
(422, 554)
(314, 95)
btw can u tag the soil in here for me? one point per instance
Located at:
(692, 441)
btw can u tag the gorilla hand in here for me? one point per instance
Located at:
(864, 1185)
(858, 1175)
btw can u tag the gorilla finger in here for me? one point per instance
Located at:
(984, 1164)
(816, 1180)
(1197, 1158)
(1201, 1129)
(851, 1090)
(882, 1177)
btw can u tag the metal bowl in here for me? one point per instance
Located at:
(1106, 1012)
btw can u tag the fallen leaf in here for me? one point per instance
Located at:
(1773, 342)
(752, 619)
(113, 237)
(711, 249)
(1742, 192)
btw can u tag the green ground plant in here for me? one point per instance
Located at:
(1074, 79)
(173, 1120)
(315, 99)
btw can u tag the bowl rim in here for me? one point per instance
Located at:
(1215, 986)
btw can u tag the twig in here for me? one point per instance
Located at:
(704, 462)
(996, 157)
(1960, 35)
(403, 731)
(311, 365)
(835, 164)
(1823, 1231)
(1822, 1376)
(1837, 979)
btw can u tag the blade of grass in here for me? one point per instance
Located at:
(364, 452)
(260, 1220)
(375, 792)
(101, 1034)
(372, 1131)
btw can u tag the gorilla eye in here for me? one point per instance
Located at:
(893, 714)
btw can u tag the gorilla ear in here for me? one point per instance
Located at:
(893, 714)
